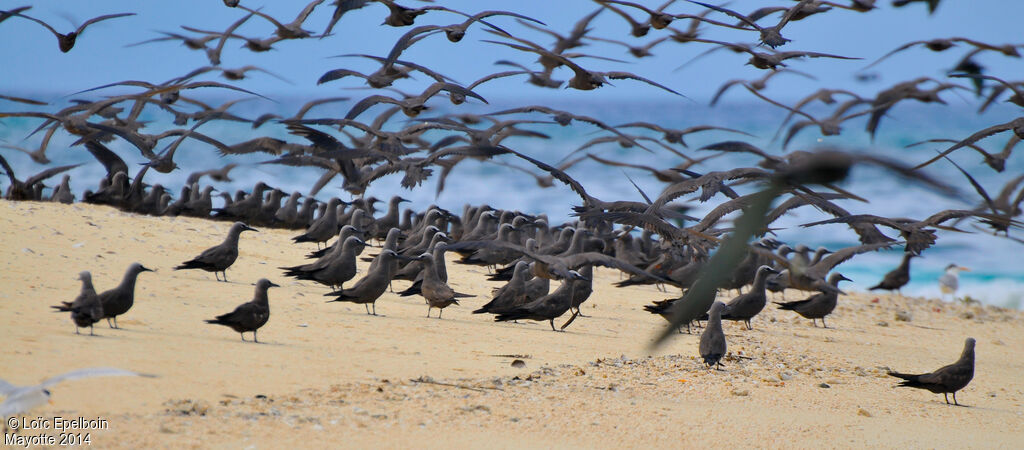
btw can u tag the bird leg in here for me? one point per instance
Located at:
(428, 311)
(552, 322)
(76, 330)
(954, 400)
(748, 324)
(375, 308)
(439, 311)
(243, 336)
(216, 275)
(108, 323)
(367, 306)
(254, 339)
(823, 322)
(90, 331)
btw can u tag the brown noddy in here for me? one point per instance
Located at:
(369, 288)
(745, 306)
(249, 316)
(333, 269)
(946, 380)
(437, 293)
(120, 299)
(712, 341)
(86, 309)
(219, 257)
(818, 305)
(548, 307)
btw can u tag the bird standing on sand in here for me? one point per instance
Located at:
(548, 307)
(946, 380)
(249, 316)
(818, 305)
(369, 288)
(437, 293)
(745, 306)
(119, 300)
(86, 309)
(949, 282)
(712, 341)
(898, 277)
(218, 258)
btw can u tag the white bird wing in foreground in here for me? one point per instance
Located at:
(23, 398)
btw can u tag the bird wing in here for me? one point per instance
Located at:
(631, 76)
(970, 140)
(107, 157)
(730, 12)
(840, 256)
(560, 176)
(81, 28)
(89, 373)
(335, 74)
(48, 173)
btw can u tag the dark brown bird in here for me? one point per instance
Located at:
(292, 30)
(249, 316)
(26, 190)
(120, 299)
(67, 41)
(583, 79)
(437, 293)
(548, 307)
(818, 305)
(86, 309)
(712, 344)
(898, 277)
(218, 258)
(938, 45)
(745, 306)
(932, 5)
(946, 380)
(369, 288)
(770, 36)
(1015, 125)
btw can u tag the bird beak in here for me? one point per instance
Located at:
(404, 200)
(844, 278)
(273, 284)
(577, 276)
(964, 269)
(248, 228)
(146, 269)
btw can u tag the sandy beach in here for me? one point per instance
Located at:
(330, 375)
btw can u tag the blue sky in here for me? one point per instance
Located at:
(35, 65)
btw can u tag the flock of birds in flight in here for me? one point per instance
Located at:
(370, 142)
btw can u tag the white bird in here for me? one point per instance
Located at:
(950, 281)
(21, 399)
